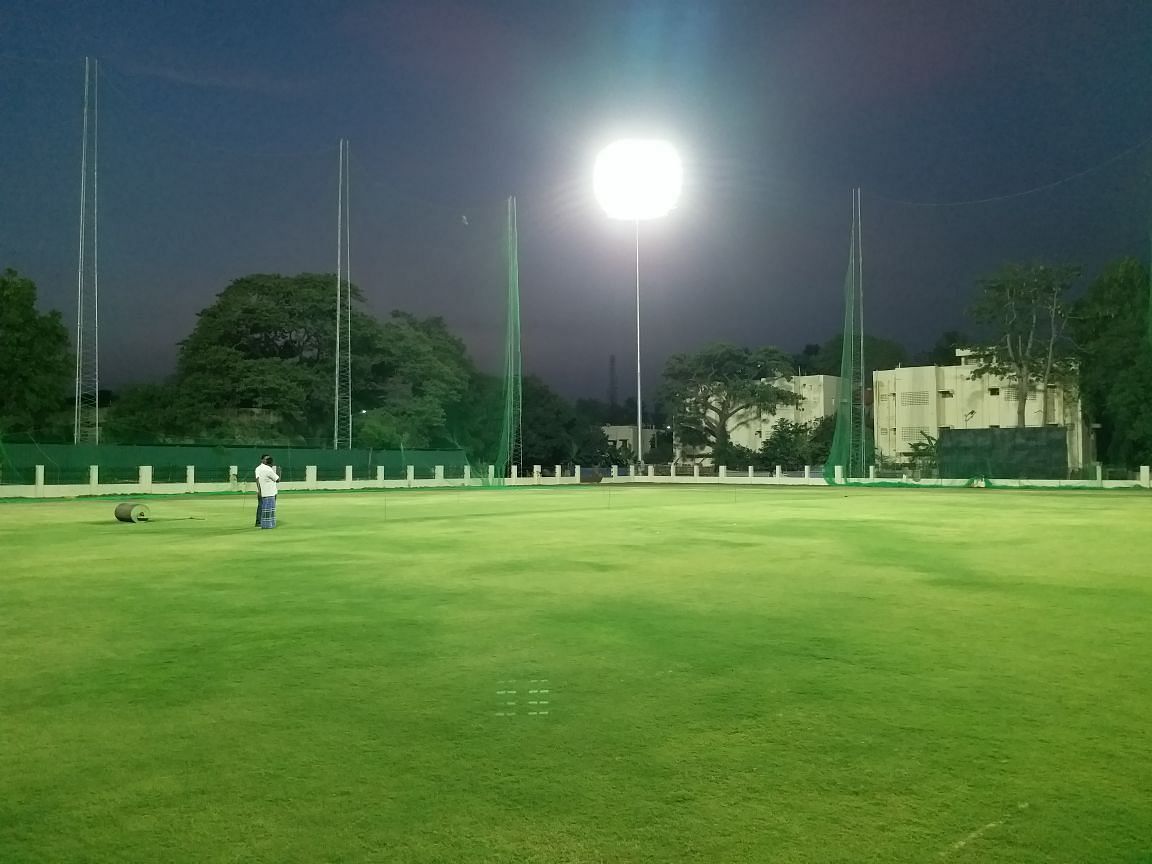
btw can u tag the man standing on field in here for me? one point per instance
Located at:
(267, 484)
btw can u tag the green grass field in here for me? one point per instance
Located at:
(733, 675)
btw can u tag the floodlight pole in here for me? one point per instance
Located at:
(639, 403)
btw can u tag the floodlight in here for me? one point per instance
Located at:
(637, 179)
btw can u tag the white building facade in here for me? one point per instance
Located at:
(621, 436)
(751, 428)
(817, 400)
(911, 402)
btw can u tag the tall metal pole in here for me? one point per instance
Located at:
(339, 296)
(77, 412)
(860, 320)
(639, 402)
(86, 413)
(342, 396)
(348, 288)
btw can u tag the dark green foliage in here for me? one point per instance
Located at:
(418, 371)
(36, 363)
(788, 446)
(719, 382)
(1024, 312)
(878, 354)
(607, 414)
(922, 454)
(794, 445)
(258, 366)
(555, 433)
(1115, 362)
(735, 456)
(943, 353)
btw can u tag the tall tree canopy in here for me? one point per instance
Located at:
(418, 372)
(36, 361)
(1109, 326)
(943, 353)
(267, 345)
(1024, 311)
(721, 387)
(259, 367)
(878, 354)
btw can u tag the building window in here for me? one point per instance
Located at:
(945, 427)
(993, 425)
(915, 397)
(946, 394)
(993, 391)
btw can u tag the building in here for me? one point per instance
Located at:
(626, 435)
(911, 402)
(817, 400)
(750, 429)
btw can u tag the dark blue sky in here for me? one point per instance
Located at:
(220, 121)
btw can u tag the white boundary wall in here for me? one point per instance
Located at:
(810, 477)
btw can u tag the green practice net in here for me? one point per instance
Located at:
(68, 464)
(851, 451)
(485, 421)
(1047, 384)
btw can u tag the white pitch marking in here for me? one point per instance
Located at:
(978, 833)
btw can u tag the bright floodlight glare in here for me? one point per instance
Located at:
(637, 179)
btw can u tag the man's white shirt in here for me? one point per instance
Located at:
(266, 480)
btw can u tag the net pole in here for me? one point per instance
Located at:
(348, 286)
(339, 273)
(94, 346)
(518, 379)
(80, 263)
(860, 324)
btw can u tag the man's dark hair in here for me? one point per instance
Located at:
(266, 458)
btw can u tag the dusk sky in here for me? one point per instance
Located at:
(219, 125)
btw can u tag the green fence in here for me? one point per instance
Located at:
(69, 463)
(1039, 453)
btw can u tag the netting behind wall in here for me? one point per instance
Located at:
(1013, 454)
(485, 422)
(851, 444)
(69, 464)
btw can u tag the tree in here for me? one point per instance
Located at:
(417, 373)
(1109, 327)
(554, 433)
(36, 361)
(805, 361)
(922, 455)
(259, 366)
(820, 439)
(721, 388)
(793, 445)
(607, 414)
(1026, 315)
(788, 445)
(943, 353)
(878, 354)
(265, 348)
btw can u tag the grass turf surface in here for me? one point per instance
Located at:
(760, 675)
